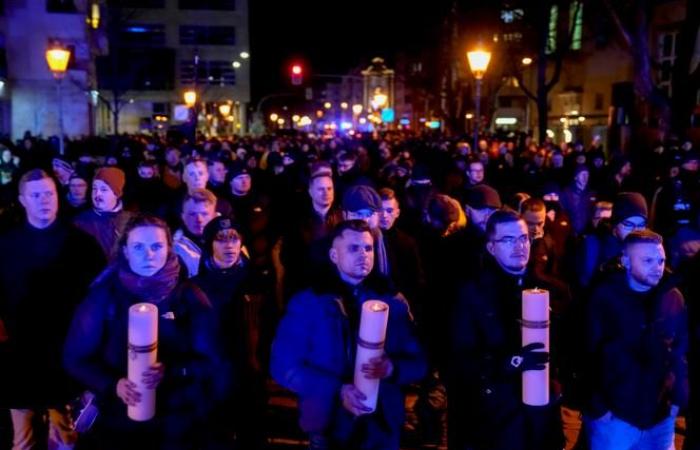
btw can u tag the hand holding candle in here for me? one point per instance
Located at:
(371, 364)
(144, 372)
(535, 337)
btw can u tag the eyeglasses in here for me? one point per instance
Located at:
(630, 224)
(511, 240)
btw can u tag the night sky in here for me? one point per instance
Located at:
(334, 36)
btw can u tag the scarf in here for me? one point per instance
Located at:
(151, 289)
(381, 259)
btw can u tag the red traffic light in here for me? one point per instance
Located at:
(297, 77)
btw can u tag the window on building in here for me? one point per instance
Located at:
(576, 24)
(220, 5)
(666, 57)
(599, 100)
(60, 6)
(142, 35)
(203, 35)
(149, 69)
(552, 35)
(217, 73)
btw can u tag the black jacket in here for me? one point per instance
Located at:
(636, 345)
(43, 276)
(485, 392)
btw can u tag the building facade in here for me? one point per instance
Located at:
(173, 46)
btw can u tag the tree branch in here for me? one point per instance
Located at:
(626, 37)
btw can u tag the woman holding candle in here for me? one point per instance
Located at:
(96, 352)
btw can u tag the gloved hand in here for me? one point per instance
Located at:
(528, 358)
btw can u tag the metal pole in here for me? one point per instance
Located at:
(60, 116)
(477, 116)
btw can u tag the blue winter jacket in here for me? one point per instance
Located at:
(313, 356)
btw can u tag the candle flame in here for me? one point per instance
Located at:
(377, 306)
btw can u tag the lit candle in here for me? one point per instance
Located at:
(535, 328)
(370, 344)
(143, 350)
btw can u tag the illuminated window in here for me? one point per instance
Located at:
(552, 36)
(576, 24)
(666, 57)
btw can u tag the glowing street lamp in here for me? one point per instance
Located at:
(295, 118)
(245, 55)
(280, 121)
(526, 61)
(225, 109)
(344, 105)
(328, 105)
(236, 64)
(478, 63)
(274, 117)
(357, 109)
(57, 58)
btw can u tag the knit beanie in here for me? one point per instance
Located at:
(482, 197)
(628, 204)
(113, 177)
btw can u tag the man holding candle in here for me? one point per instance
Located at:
(485, 387)
(637, 339)
(313, 352)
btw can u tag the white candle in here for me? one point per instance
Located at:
(370, 344)
(143, 350)
(535, 328)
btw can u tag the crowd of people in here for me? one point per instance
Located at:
(260, 252)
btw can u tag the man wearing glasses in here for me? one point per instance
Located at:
(600, 253)
(486, 410)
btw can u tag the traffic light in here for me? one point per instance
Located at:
(297, 74)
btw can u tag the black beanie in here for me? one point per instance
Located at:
(628, 204)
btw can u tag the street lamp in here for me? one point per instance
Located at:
(357, 109)
(225, 109)
(274, 117)
(190, 97)
(478, 63)
(57, 58)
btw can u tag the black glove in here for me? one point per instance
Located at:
(528, 358)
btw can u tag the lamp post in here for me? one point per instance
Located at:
(57, 58)
(190, 97)
(478, 63)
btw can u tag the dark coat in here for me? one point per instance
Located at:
(43, 276)
(195, 373)
(636, 344)
(105, 227)
(485, 393)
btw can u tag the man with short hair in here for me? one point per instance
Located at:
(312, 354)
(475, 173)
(485, 386)
(217, 177)
(46, 266)
(637, 339)
(198, 209)
(303, 248)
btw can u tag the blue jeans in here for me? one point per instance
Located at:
(611, 433)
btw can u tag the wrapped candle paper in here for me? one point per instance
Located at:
(370, 344)
(143, 351)
(535, 328)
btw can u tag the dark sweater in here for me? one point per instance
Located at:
(43, 276)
